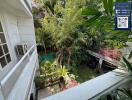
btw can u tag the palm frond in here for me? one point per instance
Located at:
(92, 15)
(129, 65)
(90, 11)
(121, 0)
(110, 5)
(130, 55)
(105, 3)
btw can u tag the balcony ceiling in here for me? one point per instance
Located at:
(17, 7)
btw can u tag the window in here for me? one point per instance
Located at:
(4, 52)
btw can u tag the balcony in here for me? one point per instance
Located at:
(17, 7)
(28, 4)
(93, 89)
(16, 85)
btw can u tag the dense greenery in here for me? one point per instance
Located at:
(50, 73)
(74, 26)
(101, 25)
(61, 25)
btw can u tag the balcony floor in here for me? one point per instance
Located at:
(43, 93)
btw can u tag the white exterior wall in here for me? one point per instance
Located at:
(12, 32)
(9, 25)
(16, 78)
(16, 30)
(29, 2)
(26, 30)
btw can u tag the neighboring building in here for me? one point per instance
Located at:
(17, 72)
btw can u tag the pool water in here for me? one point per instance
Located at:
(47, 57)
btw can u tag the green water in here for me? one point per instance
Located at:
(47, 57)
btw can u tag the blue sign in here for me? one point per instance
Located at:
(123, 16)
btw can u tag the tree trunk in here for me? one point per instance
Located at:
(69, 57)
(60, 56)
(69, 60)
(44, 47)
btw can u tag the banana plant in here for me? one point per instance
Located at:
(108, 6)
(92, 13)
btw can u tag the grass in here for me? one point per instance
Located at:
(85, 73)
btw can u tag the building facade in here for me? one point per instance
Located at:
(17, 28)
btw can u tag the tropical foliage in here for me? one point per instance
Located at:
(119, 94)
(128, 64)
(74, 26)
(122, 93)
(50, 73)
(53, 69)
(101, 25)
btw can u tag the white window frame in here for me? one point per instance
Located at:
(5, 54)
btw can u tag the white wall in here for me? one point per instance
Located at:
(9, 24)
(29, 2)
(18, 27)
(12, 32)
(16, 30)
(26, 30)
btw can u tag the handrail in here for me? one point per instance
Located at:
(94, 88)
(6, 81)
(21, 60)
(26, 2)
(108, 59)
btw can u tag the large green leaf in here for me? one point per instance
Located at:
(90, 11)
(91, 20)
(50, 4)
(129, 65)
(105, 3)
(110, 5)
(130, 55)
(127, 92)
(121, 0)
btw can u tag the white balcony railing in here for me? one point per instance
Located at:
(93, 89)
(9, 81)
(28, 4)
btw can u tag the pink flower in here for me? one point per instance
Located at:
(112, 53)
(70, 84)
(34, 5)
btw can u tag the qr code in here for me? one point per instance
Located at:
(122, 22)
